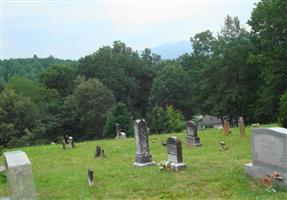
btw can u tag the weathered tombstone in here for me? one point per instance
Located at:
(19, 174)
(191, 130)
(143, 157)
(98, 151)
(226, 128)
(90, 177)
(118, 130)
(241, 127)
(68, 140)
(174, 153)
(120, 134)
(269, 149)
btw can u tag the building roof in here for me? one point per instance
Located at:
(208, 120)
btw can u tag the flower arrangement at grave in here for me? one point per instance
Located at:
(272, 182)
(165, 165)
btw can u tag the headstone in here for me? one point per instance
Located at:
(269, 149)
(118, 130)
(191, 130)
(174, 153)
(143, 157)
(241, 127)
(19, 174)
(120, 134)
(68, 140)
(90, 177)
(226, 128)
(98, 151)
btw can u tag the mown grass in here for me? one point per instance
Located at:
(210, 174)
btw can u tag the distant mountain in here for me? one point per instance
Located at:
(173, 50)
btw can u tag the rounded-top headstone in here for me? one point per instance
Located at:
(191, 128)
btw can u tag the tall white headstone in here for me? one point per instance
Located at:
(19, 173)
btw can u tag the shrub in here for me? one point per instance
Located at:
(118, 114)
(165, 120)
(175, 121)
(157, 120)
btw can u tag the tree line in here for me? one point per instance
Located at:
(234, 73)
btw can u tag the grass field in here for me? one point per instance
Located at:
(210, 174)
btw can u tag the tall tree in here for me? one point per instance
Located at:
(87, 108)
(269, 25)
(124, 71)
(59, 77)
(171, 87)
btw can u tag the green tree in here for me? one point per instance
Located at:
(171, 87)
(125, 72)
(167, 120)
(59, 77)
(17, 117)
(269, 24)
(157, 120)
(175, 121)
(118, 114)
(87, 108)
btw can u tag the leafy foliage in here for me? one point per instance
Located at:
(282, 119)
(87, 108)
(171, 87)
(269, 24)
(165, 120)
(118, 114)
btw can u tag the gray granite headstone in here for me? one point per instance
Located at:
(19, 173)
(269, 151)
(174, 153)
(143, 157)
(191, 130)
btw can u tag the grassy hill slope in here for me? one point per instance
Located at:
(210, 174)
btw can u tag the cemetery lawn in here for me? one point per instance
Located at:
(210, 174)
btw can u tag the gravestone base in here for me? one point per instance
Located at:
(152, 163)
(257, 172)
(193, 141)
(143, 160)
(178, 166)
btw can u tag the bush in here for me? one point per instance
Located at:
(118, 114)
(175, 121)
(282, 118)
(157, 120)
(165, 120)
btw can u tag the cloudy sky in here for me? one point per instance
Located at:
(72, 28)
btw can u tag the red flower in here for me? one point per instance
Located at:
(266, 181)
(275, 174)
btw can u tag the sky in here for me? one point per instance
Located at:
(71, 29)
